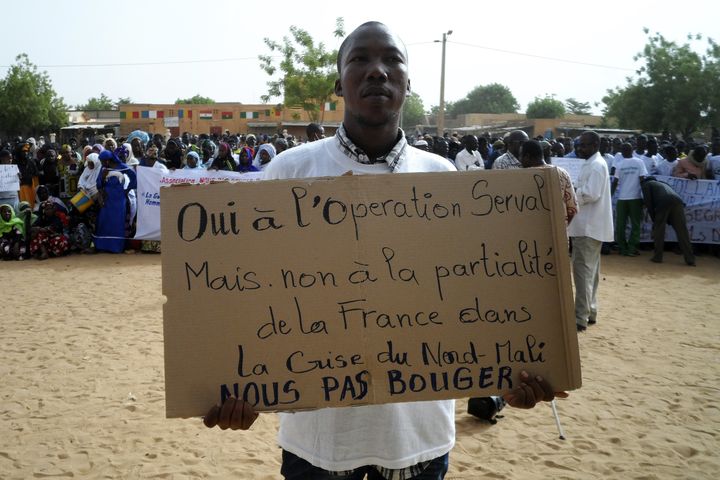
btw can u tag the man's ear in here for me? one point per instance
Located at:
(409, 90)
(338, 88)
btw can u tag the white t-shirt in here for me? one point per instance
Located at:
(465, 160)
(666, 168)
(628, 175)
(650, 163)
(714, 165)
(396, 435)
(594, 217)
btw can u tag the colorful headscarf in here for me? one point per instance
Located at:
(14, 221)
(89, 176)
(139, 134)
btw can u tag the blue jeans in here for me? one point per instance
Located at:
(295, 468)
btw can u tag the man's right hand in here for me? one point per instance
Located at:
(233, 414)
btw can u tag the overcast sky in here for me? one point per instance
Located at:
(210, 47)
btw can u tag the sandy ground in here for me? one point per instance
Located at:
(81, 379)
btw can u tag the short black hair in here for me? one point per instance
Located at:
(343, 45)
(533, 149)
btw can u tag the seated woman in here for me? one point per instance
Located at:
(48, 233)
(12, 234)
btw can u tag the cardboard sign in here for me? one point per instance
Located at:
(302, 294)
(9, 179)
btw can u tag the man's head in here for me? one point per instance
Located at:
(715, 148)
(470, 143)
(588, 145)
(627, 150)
(642, 141)
(652, 146)
(5, 157)
(515, 141)
(531, 154)
(670, 153)
(315, 131)
(604, 145)
(373, 77)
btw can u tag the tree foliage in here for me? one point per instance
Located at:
(103, 102)
(413, 111)
(545, 107)
(576, 107)
(306, 71)
(492, 98)
(196, 99)
(676, 89)
(28, 102)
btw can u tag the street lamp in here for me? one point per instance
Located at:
(441, 110)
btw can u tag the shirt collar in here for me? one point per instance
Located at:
(392, 158)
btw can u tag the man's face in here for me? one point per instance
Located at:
(51, 155)
(587, 147)
(471, 143)
(715, 147)
(604, 145)
(373, 76)
(627, 150)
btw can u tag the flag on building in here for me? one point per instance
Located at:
(135, 114)
(227, 115)
(181, 113)
(145, 114)
(152, 113)
(123, 115)
(330, 106)
(206, 115)
(161, 114)
(275, 111)
(189, 112)
(267, 113)
(249, 114)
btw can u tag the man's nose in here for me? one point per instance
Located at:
(378, 70)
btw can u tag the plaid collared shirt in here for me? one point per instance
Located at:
(392, 158)
(389, 474)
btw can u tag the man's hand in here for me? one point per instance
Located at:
(531, 391)
(233, 414)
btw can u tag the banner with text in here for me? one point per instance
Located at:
(148, 192)
(355, 290)
(702, 204)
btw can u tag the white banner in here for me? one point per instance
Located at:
(148, 192)
(9, 179)
(702, 204)
(172, 121)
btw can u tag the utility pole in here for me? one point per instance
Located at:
(441, 110)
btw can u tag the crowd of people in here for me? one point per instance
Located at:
(81, 196)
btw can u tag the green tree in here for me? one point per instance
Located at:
(413, 111)
(97, 103)
(492, 98)
(196, 99)
(28, 102)
(307, 71)
(676, 88)
(576, 107)
(546, 107)
(123, 101)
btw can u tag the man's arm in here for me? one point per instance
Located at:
(592, 190)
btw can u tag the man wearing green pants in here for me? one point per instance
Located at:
(629, 200)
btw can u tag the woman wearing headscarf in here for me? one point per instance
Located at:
(265, 153)
(112, 188)
(173, 154)
(193, 162)
(246, 161)
(68, 170)
(131, 160)
(89, 176)
(97, 148)
(42, 194)
(224, 159)
(48, 233)
(12, 233)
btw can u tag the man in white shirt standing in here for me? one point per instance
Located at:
(398, 440)
(626, 180)
(591, 226)
(469, 158)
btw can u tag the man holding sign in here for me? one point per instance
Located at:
(396, 440)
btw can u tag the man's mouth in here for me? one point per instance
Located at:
(376, 92)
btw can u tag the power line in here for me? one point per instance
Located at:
(136, 64)
(554, 59)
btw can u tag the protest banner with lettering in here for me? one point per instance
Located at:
(702, 205)
(150, 180)
(355, 290)
(9, 179)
